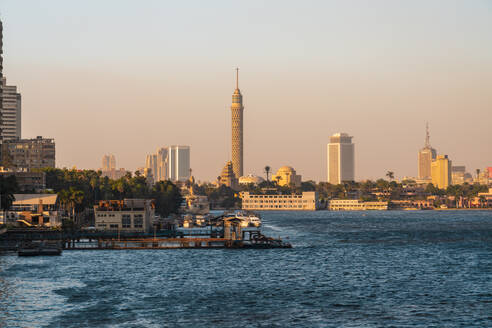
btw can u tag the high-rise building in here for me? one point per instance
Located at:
(157, 164)
(425, 158)
(105, 163)
(109, 168)
(237, 109)
(1, 92)
(178, 163)
(458, 174)
(341, 159)
(10, 112)
(27, 154)
(112, 162)
(161, 164)
(441, 172)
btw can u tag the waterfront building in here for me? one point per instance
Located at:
(178, 163)
(250, 178)
(341, 159)
(425, 157)
(307, 201)
(356, 205)
(228, 177)
(134, 215)
(237, 109)
(35, 210)
(27, 154)
(441, 172)
(287, 176)
(10, 112)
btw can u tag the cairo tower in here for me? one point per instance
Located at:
(237, 129)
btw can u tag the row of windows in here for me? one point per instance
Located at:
(274, 206)
(277, 201)
(276, 196)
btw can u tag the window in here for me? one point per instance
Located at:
(113, 226)
(126, 221)
(138, 221)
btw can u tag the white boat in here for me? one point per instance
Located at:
(249, 219)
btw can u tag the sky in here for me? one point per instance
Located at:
(127, 77)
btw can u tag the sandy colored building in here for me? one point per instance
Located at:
(287, 176)
(425, 157)
(307, 201)
(228, 177)
(356, 205)
(441, 172)
(27, 154)
(125, 215)
(341, 159)
(36, 210)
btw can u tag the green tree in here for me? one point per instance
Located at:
(8, 187)
(167, 198)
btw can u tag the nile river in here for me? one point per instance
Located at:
(347, 269)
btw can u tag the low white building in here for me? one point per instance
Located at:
(355, 205)
(307, 201)
(125, 215)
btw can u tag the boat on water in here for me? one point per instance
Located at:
(248, 219)
(40, 249)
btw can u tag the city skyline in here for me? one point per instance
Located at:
(382, 97)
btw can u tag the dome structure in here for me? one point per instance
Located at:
(250, 178)
(287, 176)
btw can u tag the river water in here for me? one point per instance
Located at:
(347, 269)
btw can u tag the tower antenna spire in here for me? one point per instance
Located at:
(237, 77)
(427, 135)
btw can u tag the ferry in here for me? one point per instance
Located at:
(248, 219)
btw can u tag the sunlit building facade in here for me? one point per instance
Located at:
(441, 172)
(341, 159)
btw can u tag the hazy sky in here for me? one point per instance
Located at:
(126, 77)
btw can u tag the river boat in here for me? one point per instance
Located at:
(249, 219)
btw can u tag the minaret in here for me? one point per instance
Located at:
(237, 129)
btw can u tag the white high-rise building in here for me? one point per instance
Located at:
(341, 159)
(179, 163)
(170, 163)
(10, 113)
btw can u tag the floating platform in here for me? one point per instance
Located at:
(174, 243)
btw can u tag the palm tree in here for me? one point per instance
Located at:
(64, 198)
(267, 171)
(390, 175)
